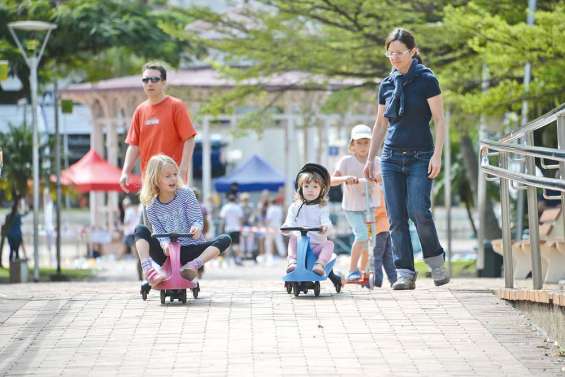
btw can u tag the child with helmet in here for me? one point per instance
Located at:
(310, 210)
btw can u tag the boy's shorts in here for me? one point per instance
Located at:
(356, 220)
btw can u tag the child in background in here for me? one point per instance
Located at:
(170, 207)
(382, 252)
(348, 171)
(310, 210)
(232, 214)
(273, 237)
(247, 237)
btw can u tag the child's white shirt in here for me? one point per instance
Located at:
(233, 216)
(310, 216)
(274, 216)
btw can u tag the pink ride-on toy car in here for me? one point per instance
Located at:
(175, 285)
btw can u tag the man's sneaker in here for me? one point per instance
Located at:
(355, 275)
(190, 270)
(154, 277)
(318, 269)
(440, 275)
(404, 283)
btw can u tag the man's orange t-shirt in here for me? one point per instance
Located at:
(161, 128)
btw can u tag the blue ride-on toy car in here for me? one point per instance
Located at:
(302, 278)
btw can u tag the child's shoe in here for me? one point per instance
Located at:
(190, 270)
(154, 277)
(337, 280)
(291, 266)
(318, 269)
(355, 275)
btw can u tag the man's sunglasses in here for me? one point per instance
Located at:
(152, 79)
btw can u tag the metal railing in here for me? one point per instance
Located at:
(520, 143)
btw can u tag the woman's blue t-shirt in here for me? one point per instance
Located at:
(412, 130)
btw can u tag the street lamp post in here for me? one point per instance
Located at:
(32, 61)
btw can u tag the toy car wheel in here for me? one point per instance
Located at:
(371, 282)
(163, 296)
(196, 290)
(288, 287)
(183, 296)
(317, 289)
(296, 289)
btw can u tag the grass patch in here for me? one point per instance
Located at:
(45, 274)
(460, 268)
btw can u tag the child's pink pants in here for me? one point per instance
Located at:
(322, 250)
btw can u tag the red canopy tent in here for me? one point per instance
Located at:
(93, 173)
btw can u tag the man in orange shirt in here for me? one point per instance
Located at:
(161, 124)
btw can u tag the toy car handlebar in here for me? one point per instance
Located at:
(301, 229)
(172, 235)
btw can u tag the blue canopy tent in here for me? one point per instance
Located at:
(253, 175)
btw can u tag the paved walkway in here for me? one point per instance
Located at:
(245, 324)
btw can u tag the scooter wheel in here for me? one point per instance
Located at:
(288, 287)
(195, 291)
(296, 289)
(371, 282)
(163, 296)
(317, 289)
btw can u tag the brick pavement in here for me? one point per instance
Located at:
(249, 326)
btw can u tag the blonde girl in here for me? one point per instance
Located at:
(171, 207)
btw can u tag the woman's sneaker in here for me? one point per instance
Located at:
(154, 277)
(440, 275)
(404, 283)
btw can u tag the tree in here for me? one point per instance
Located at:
(94, 39)
(337, 38)
(17, 150)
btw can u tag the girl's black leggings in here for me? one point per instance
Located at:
(187, 253)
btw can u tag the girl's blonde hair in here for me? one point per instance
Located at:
(309, 177)
(150, 187)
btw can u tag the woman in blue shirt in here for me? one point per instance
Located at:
(408, 99)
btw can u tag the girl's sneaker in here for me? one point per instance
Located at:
(154, 277)
(190, 270)
(318, 269)
(291, 266)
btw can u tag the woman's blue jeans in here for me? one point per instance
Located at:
(407, 195)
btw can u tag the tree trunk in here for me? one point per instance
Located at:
(470, 160)
(1, 250)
